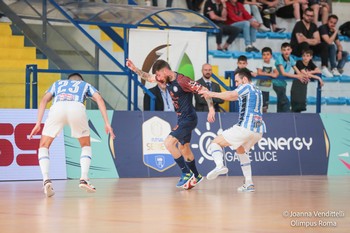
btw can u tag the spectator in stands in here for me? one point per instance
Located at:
(216, 11)
(305, 36)
(288, 9)
(200, 103)
(194, 5)
(321, 9)
(329, 35)
(299, 88)
(285, 64)
(237, 16)
(252, 7)
(155, 3)
(266, 68)
(242, 62)
(163, 100)
(268, 9)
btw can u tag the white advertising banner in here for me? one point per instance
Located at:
(185, 51)
(19, 155)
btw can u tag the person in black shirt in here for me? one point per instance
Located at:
(329, 34)
(216, 11)
(305, 36)
(298, 91)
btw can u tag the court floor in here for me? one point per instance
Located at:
(280, 204)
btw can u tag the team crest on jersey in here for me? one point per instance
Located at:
(155, 155)
(175, 89)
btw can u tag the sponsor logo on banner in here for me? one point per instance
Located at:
(155, 155)
(19, 155)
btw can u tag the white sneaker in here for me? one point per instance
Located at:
(326, 73)
(48, 190)
(85, 185)
(244, 188)
(335, 72)
(262, 28)
(216, 172)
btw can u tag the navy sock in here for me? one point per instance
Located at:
(192, 166)
(181, 162)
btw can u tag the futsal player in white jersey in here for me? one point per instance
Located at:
(68, 109)
(245, 133)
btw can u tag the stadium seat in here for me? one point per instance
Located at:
(257, 55)
(220, 54)
(311, 100)
(344, 79)
(274, 35)
(335, 101)
(330, 80)
(273, 99)
(261, 35)
(236, 54)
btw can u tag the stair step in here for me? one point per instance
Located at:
(22, 63)
(5, 29)
(18, 53)
(11, 41)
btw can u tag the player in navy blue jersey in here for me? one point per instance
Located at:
(68, 108)
(181, 89)
(245, 133)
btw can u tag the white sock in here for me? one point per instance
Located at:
(44, 162)
(246, 168)
(216, 152)
(85, 161)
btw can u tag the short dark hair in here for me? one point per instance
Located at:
(75, 74)
(244, 72)
(160, 64)
(308, 9)
(333, 17)
(242, 58)
(285, 45)
(308, 51)
(266, 49)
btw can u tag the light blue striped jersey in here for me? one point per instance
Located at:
(71, 90)
(250, 108)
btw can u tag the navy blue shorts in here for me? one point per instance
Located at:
(183, 130)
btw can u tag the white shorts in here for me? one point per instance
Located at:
(67, 113)
(238, 136)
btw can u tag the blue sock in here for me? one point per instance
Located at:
(192, 166)
(181, 162)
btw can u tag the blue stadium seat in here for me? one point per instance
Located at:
(341, 37)
(274, 35)
(236, 54)
(335, 101)
(261, 35)
(330, 80)
(220, 54)
(344, 79)
(275, 55)
(288, 35)
(348, 101)
(311, 100)
(257, 55)
(272, 99)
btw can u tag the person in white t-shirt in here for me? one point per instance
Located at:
(266, 68)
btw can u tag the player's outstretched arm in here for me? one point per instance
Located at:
(226, 95)
(101, 105)
(41, 110)
(145, 76)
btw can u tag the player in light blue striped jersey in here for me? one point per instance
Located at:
(243, 135)
(68, 109)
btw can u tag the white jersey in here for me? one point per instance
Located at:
(71, 90)
(250, 108)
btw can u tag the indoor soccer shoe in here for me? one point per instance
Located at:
(194, 181)
(244, 188)
(184, 179)
(48, 190)
(216, 172)
(85, 185)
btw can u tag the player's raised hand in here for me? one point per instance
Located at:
(35, 130)
(130, 64)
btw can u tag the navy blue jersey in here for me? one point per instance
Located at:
(181, 91)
